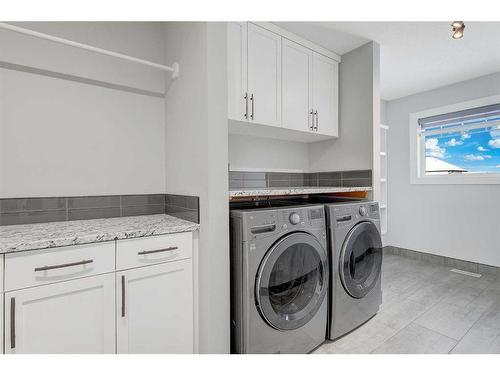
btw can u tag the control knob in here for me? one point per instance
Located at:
(294, 218)
(363, 211)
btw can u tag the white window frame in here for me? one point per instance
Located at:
(417, 148)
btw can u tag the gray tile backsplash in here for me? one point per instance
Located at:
(183, 206)
(93, 202)
(141, 200)
(241, 180)
(151, 209)
(93, 213)
(40, 210)
(31, 204)
(352, 182)
(32, 217)
(367, 174)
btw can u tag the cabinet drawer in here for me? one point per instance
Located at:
(145, 251)
(38, 267)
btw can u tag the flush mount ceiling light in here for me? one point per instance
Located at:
(458, 29)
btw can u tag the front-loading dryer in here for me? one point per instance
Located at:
(356, 264)
(279, 279)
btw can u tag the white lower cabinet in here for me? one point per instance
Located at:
(126, 296)
(1, 322)
(1, 304)
(155, 309)
(75, 316)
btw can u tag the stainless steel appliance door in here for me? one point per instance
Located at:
(361, 259)
(292, 281)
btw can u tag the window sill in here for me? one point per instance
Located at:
(456, 180)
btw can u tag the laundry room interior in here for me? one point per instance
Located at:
(249, 187)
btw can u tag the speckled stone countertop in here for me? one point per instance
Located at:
(64, 233)
(259, 192)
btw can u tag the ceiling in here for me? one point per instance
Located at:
(415, 56)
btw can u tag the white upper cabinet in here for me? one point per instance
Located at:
(325, 92)
(264, 76)
(71, 317)
(237, 70)
(297, 86)
(281, 80)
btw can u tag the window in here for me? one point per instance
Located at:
(457, 144)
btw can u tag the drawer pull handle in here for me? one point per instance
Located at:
(12, 323)
(47, 268)
(157, 251)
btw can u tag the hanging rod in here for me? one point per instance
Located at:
(174, 68)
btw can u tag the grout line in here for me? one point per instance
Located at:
(66, 203)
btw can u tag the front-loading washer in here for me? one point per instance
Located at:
(356, 264)
(279, 279)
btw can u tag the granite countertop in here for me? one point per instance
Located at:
(258, 192)
(64, 233)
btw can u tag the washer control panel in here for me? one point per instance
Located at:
(267, 222)
(294, 218)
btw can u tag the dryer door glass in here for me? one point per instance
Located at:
(292, 281)
(361, 259)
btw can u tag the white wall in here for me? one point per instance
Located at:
(139, 39)
(358, 108)
(383, 111)
(459, 221)
(65, 137)
(252, 153)
(197, 161)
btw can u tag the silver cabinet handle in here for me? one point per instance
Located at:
(123, 296)
(12, 323)
(157, 251)
(317, 120)
(252, 99)
(246, 105)
(312, 120)
(46, 268)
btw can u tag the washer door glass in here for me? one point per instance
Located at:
(292, 281)
(361, 259)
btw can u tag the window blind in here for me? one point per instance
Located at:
(468, 118)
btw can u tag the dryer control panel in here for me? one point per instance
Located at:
(346, 214)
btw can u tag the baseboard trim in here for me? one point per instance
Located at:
(464, 265)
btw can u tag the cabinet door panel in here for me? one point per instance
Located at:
(1, 272)
(157, 316)
(325, 94)
(1, 323)
(264, 75)
(297, 77)
(72, 317)
(237, 70)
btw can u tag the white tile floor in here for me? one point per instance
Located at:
(428, 309)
